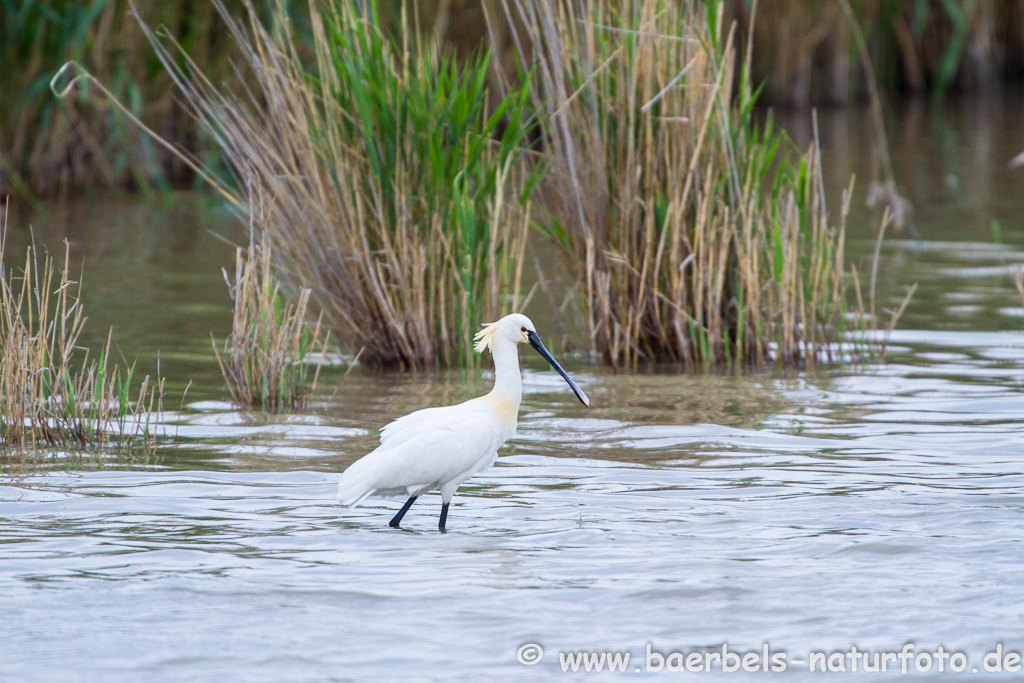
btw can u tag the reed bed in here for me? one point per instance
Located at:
(52, 394)
(266, 358)
(387, 185)
(804, 53)
(695, 241)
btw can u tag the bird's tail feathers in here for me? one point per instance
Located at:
(353, 490)
(358, 500)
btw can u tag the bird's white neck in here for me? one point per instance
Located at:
(508, 382)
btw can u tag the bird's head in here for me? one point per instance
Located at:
(514, 328)
(519, 329)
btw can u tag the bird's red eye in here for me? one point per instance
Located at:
(524, 329)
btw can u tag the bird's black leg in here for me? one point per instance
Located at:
(444, 517)
(397, 519)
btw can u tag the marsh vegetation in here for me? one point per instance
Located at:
(400, 187)
(53, 394)
(804, 53)
(273, 347)
(387, 185)
(696, 236)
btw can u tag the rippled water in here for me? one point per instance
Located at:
(869, 506)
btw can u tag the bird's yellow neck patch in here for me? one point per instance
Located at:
(485, 338)
(506, 411)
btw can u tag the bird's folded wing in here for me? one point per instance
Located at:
(439, 448)
(413, 422)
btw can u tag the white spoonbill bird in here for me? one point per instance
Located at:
(439, 448)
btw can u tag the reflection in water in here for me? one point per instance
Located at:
(950, 162)
(872, 506)
(968, 229)
(151, 273)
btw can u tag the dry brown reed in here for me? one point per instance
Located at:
(870, 338)
(385, 187)
(266, 357)
(1018, 282)
(694, 241)
(51, 393)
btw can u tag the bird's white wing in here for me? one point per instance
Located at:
(392, 430)
(425, 449)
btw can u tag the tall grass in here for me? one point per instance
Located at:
(695, 241)
(388, 185)
(51, 392)
(265, 359)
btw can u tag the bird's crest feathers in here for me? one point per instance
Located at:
(485, 336)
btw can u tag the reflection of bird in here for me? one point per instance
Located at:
(439, 448)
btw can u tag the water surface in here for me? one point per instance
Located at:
(865, 506)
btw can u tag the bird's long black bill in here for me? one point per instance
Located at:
(539, 348)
